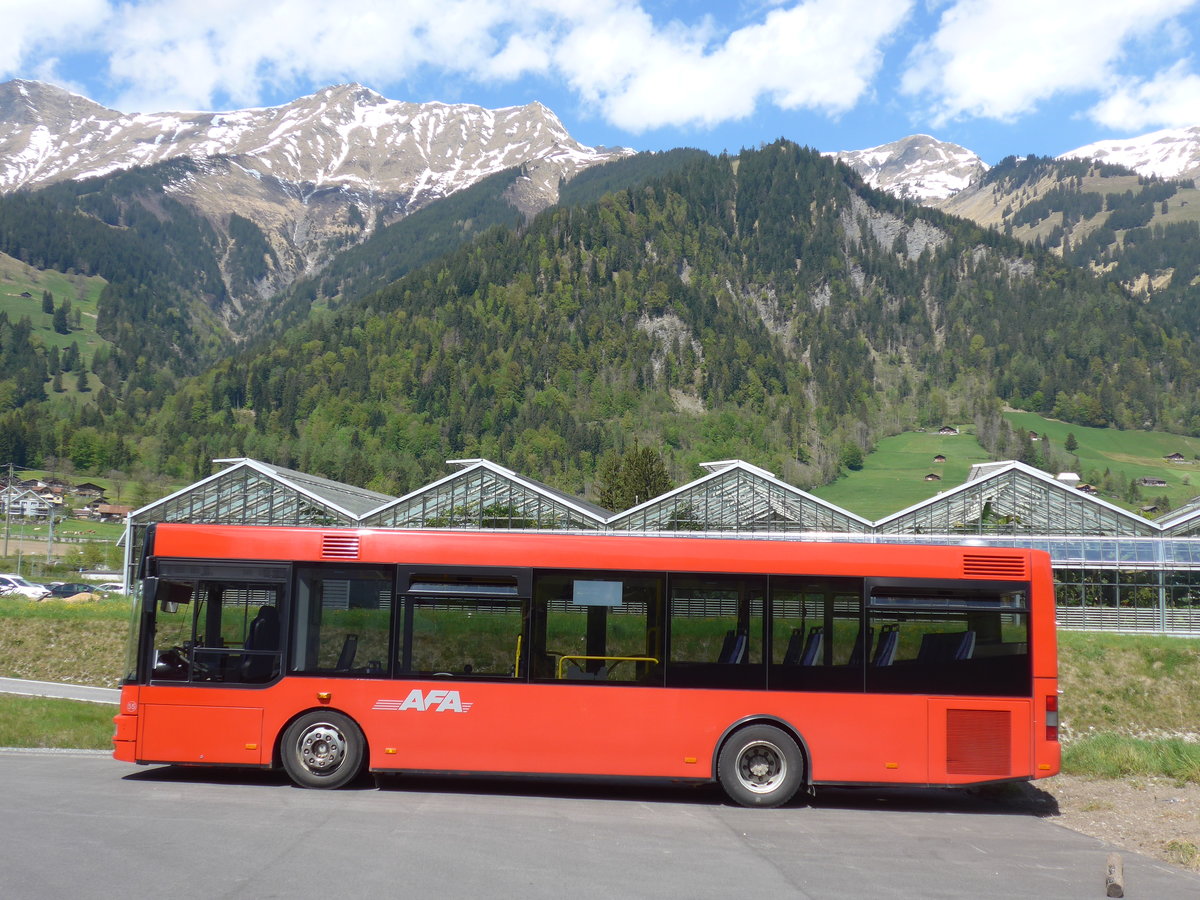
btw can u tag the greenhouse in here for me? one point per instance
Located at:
(743, 499)
(1113, 569)
(485, 495)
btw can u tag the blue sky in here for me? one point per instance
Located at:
(996, 76)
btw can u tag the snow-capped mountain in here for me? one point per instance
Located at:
(918, 167)
(346, 136)
(1171, 153)
(927, 170)
(295, 169)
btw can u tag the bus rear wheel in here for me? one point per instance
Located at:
(760, 765)
(322, 750)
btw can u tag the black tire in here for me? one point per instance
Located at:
(322, 750)
(760, 765)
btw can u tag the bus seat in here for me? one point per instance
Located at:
(885, 650)
(263, 634)
(946, 646)
(578, 673)
(346, 657)
(862, 645)
(733, 650)
(801, 652)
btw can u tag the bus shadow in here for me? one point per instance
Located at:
(615, 790)
(227, 776)
(1017, 799)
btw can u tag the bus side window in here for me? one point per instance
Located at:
(967, 640)
(716, 631)
(342, 620)
(462, 622)
(818, 641)
(597, 627)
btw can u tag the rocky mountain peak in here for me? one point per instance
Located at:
(918, 166)
(1169, 153)
(296, 170)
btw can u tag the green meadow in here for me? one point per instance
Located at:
(893, 476)
(17, 278)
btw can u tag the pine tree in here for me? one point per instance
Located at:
(61, 323)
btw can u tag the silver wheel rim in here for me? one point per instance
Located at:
(322, 748)
(761, 767)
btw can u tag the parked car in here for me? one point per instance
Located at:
(16, 586)
(113, 587)
(70, 589)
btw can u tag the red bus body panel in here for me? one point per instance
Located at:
(604, 730)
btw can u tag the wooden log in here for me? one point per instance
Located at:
(1115, 880)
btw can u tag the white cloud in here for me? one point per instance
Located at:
(636, 71)
(1170, 99)
(820, 55)
(1001, 58)
(34, 34)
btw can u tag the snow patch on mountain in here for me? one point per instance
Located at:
(1170, 153)
(917, 167)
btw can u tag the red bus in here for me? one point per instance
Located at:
(767, 666)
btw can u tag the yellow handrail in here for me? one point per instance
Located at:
(562, 660)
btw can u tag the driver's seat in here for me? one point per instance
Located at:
(263, 634)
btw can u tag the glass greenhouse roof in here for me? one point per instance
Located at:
(486, 495)
(1015, 499)
(738, 497)
(254, 493)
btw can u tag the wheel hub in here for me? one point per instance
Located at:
(322, 748)
(762, 767)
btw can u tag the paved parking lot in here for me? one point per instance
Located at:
(79, 824)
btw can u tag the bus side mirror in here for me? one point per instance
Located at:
(150, 591)
(172, 595)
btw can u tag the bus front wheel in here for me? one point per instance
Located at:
(322, 750)
(760, 765)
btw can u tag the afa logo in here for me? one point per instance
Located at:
(427, 701)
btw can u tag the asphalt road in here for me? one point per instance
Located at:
(59, 691)
(79, 824)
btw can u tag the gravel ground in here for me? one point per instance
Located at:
(1156, 817)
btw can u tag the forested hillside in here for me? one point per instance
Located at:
(767, 306)
(1140, 232)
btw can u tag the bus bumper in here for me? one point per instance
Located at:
(125, 722)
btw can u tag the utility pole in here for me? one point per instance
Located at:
(8, 499)
(49, 532)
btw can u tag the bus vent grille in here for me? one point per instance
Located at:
(978, 742)
(995, 567)
(339, 546)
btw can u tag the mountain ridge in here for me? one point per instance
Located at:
(314, 174)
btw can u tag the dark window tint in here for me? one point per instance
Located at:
(217, 631)
(342, 620)
(818, 641)
(716, 631)
(598, 627)
(950, 640)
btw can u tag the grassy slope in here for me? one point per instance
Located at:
(83, 291)
(1136, 454)
(893, 475)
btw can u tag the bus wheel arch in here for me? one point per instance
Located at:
(322, 748)
(762, 762)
